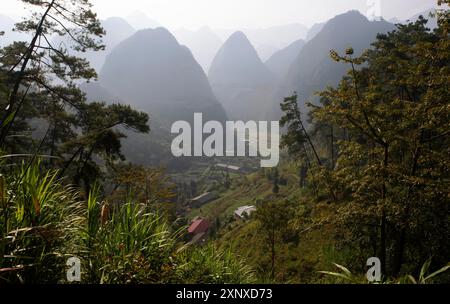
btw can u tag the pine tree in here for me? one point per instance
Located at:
(41, 82)
(34, 65)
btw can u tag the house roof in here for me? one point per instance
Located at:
(201, 196)
(199, 226)
(231, 167)
(245, 209)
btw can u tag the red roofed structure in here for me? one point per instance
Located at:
(199, 226)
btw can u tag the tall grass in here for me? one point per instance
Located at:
(44, 223)
(424, 277)
(131, 245)
(209, 265)
(136, 245)
(37, 215)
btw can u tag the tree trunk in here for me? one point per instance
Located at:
(400, 248)
(273, 254)
(383, 242)
(53, 142)
(383, 234)
(332, 147)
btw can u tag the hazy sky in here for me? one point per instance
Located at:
(193, 14)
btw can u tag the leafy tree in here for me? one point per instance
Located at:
(275, 181)
(273, 218)
(275, 188)
(297, 140)
(227, 181)
(20, 141)
(100, 139)
(394, 167)
(147, 186)
(296, 137)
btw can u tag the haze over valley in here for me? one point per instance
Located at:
(224, 142)
(237, 74)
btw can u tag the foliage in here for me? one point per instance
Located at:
(34, 64)
(346, 276)
(39, 91)
(210, 265)
(43, 223)
(392, 167)
(273, 219)
(37, 217)
(424, 276)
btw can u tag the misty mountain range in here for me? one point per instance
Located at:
(237, 75)
(204, 44)
(139, 21)
(156, 74)
(240, 80)
(266, 41)
(313, 69)
(280, 62)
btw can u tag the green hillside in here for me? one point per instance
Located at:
(299, 257)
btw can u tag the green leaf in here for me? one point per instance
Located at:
(344, 269)
(436, 273)
(412, 279)
(424, 270)
(8, 119)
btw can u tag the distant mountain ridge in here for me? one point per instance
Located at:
(154, 73)
(203, 43)
(240, 80)
(432, 21)
(117, 29)
(313, 69)
(237, 62)
(314, 30)
(140, 21)
(269, 40)
(280, 62)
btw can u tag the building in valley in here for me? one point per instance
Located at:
(244, 211)
(200, 200)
